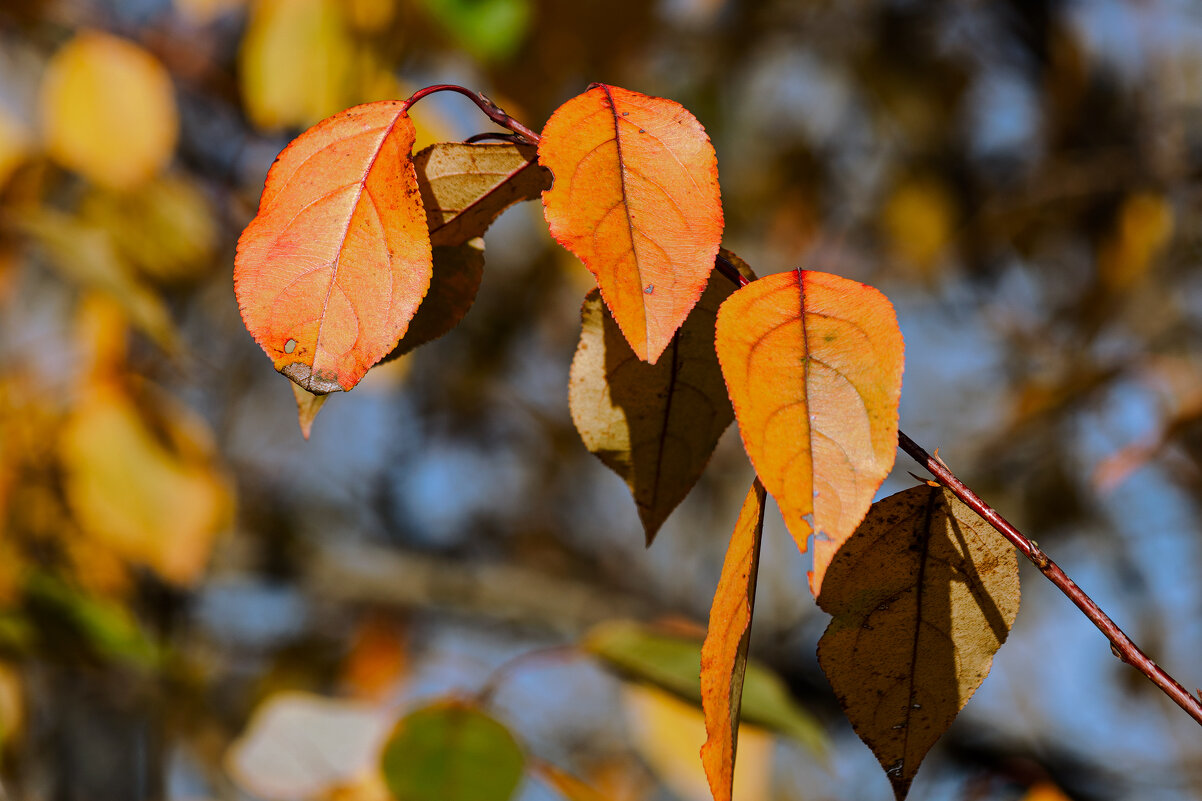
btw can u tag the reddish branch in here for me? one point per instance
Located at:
(490, 109)
(1120, 643)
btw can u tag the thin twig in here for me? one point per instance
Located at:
(1121, 644)
(504, 671)
(490, 109)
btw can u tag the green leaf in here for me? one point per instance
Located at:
(106, 626)
(673, 663)
(451, 751)
(488, 29)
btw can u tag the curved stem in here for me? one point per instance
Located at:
(490, 109)
(552, 653)
(1120, 643)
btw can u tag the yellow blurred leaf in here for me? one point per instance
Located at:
(152, 496)
(1143, 230)
(102, 334)
(369, 16)
(669, 733)
(108, 110)
(86, 255)
(165, 228)
(918, 220)
(295, 62)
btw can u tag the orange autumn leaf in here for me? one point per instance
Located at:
(724, 654)
(636, 198)
(814, 363)
(335, 264)
(378, 661)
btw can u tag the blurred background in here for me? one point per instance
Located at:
(1020, 178)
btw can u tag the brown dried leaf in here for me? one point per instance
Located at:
(922, 595)
(655, 425)
(457, 274)
(465, 187)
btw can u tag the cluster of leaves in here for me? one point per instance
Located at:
(361, 249)
(1025, 174)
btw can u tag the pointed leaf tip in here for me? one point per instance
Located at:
(813, 363)
(335, 264)
(307, 407)
(636, 198)
(724, 653)
(921, 597)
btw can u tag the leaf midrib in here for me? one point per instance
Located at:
(362, 186)
(613, 112)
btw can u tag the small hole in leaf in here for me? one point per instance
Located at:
(290, 346)
(649, 289)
